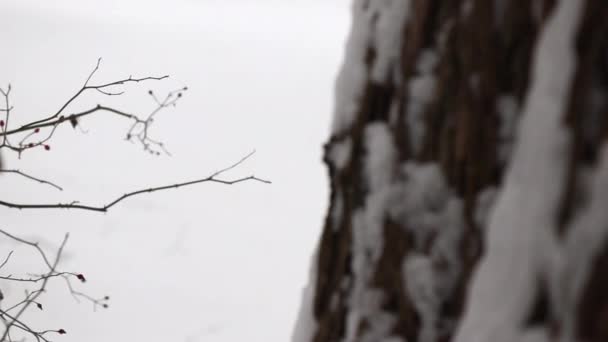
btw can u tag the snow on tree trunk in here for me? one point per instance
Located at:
(469, 176)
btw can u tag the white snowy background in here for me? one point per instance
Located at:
(204, 263)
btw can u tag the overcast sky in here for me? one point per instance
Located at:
(205, 263)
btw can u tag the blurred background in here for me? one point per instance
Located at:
(203, 263)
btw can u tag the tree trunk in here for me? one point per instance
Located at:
(469, 176)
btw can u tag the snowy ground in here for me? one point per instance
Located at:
(202, 263)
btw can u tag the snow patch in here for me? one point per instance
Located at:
(418, 200)
(381, 156)
(388, 35)
(340, 153)
(431, 279)
(535, 335)
(422, 203)
(521, 229)
(585, 237)
(419, 277)
(306, 324)
(446, 247)
(421, 89)
(368, 222)
(377, 25)
(507, 109)
(351, 79)
(337, 211)
(483, 206)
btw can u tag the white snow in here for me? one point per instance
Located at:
(416, 203)
(427, 61)
(377, 25)
(483, 206)
(429, 286)
(446, 247)
(535, 335)
(585, 237)
(388, 36)
(340, 153)
(353, 74)
(507, 109)
(381, 156)
(422, 203)
(521, 229)
(337, 211)
(306, 324)
(419, 277)
(421, 88)
(365, 301)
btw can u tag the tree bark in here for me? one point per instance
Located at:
(469, 176)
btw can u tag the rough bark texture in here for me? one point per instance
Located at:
(484, 60)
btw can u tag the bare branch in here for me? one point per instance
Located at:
(11, 320)
(86, 87)
(32, 244)
(14, 319)
(39, 180)
(97, 302)
(37, 278)
(7, 259)
(86, 83)
(105, 208)
(242, 160)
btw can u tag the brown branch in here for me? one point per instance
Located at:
(142, 135)
(103, 301)
(39, 180)
(105, 208)
(7, 110)
(28, 296)
(14, 320)
(19, 324)
(63, 119)
(8, 257)
(32, 244)
(11, 320)
(38, 278)
(86, 87)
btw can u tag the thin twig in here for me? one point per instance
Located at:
(86, 87)
(7, 259)
(52, 267)
(29, 243)
(105, 208)
(39, 180)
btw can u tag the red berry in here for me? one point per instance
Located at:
(47, 147)
(1, 123)
(81, 277)
(37, 130)
(61, 331)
